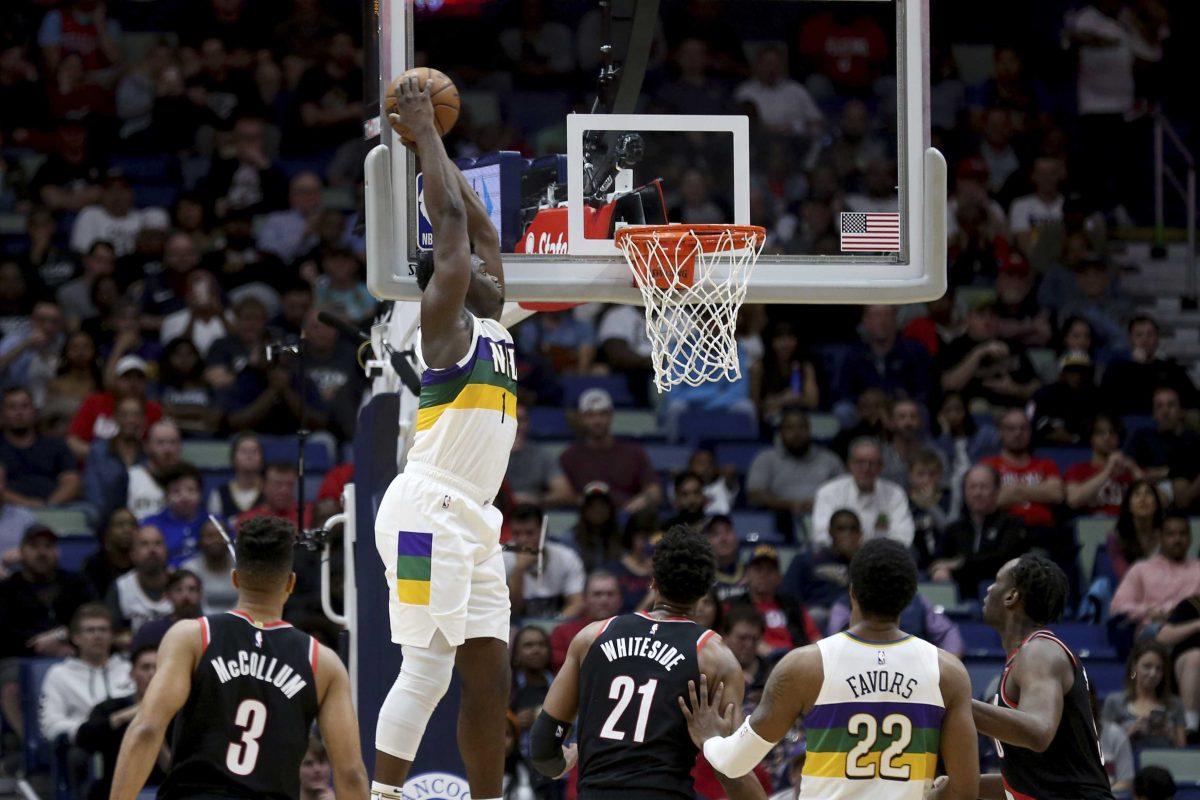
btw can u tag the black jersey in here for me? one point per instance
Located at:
(632, 735)
(244, 729)
(1072, 768)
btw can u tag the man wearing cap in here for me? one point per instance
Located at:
(1030, 213)
(96, 417)
(623, 465)
(787, 623)
(1063, 410)
(981, 365)
(1019, 315)
(41, 469)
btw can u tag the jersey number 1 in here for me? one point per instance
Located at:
(242, 756)
(622, 690)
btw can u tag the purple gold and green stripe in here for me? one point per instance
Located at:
(475, 384)
(414, 554)
(830, 741)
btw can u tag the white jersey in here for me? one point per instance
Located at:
(467, 417)
(875, 729)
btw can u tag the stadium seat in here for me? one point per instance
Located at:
(1105, 677)
(982, 672)
(701, 426)
(548, 624)
(824, 426)
(615, 385)
(546, 422)
(1086, 640)
(1134, 423)
(561, 525)
(939, 594)
(786, 556)
(149, 196)
(554, 449)
(317, 456)
(669, 458)
(40, 755)
(73, 550)
(739, 454)
(635, 424)
(756, 527)
(207, 454)
(147, 170)
(63, 521)
(1091, 534)
(1183, 764)
(1064, 456)
(981, 640)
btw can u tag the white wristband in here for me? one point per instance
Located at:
(737, 754)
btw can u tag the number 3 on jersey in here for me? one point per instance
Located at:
(864, 725)
(622, 689)
(242, 755)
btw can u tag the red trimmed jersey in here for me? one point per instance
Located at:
(244, 729)
(1072, 767)
(633, 738)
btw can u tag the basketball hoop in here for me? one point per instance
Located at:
(693, 280)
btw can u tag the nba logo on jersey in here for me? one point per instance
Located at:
(258, 638)
(654, 629)
(880, 657)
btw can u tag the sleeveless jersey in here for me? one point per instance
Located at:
(632, 736)
(244, 729)
(875, 729)
(1072, 766)
(466, 420)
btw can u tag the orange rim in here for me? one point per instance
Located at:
(708, 235)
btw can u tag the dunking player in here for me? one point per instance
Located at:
(246, 686)
(879, 705)
(624, 676)
(1041, 718)
(437, 532)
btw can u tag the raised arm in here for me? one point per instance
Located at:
(339, 728)
(718, 661)
(1042, 676)
(483, 234)
(168, 691)
(959, 744)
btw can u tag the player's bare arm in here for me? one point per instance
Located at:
(167, 693)
(720, 667)
(339, 727)
(481, 230)
(790, 692)
(959, 743)
(445, 328)
(553, 725)
(1040, 677)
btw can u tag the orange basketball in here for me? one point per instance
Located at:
(442, 92)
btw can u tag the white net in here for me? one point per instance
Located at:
(693, 280)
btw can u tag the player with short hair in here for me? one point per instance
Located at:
(246, 686)
(879, 705)
(437, 530)
(622, 679)
(1041, 717)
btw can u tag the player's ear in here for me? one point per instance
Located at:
(291, 584)
(234, 577)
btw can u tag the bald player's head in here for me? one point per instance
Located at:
(265, 548)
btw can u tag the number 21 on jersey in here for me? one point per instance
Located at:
(622, 689)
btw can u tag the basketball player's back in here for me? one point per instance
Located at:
(875, 728)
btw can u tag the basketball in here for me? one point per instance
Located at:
(443, 94)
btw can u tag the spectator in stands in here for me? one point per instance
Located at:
(41, 471)
(104, 729)
(1153, 783)
(186, 595)
(1165, 448)
(789, 376)
(245, 344)
(106, 475)
(929, 504)
(744, 629)
(981, 365)
(534, 476)
(247, 182)
(978, 244)
(963, 440)
(821, 578)
(1130, 385)
(280, 487)
(926, 620)
(332, 363)
(1062, 410)
(1138, 532)
(213, 565)
(886, 361)
(329, 97)
(692, 90)
(687, 502)
(1019, 316)
(906, 438)
(165, 292)
(31, 355)
(114, 219)
(557, 591)
(139, 595)
(597, 534)
(183, 515)
(625, 348)
(622, 465)
(1030, 213)
(14, 521)
(1095, 295)
(1181, 633)
(77, 376)
(721, 486)
(731, 572)
(730, 396)
(982, 540)
(69, 179)
(112, 560)
(997, 151)
(81, 28)
(634, 567)
(538, 51)
(184, 394)
(341, 285)
(95, 419)
(146, 493)
(1153, 586)
(1115, 749)
(786, 623)
(50, 265)
(288, 234)
(781, 105)
(315, 772)
(244, 490)
(565, 341)
(270, 399)
(881, 503)
(1030, 487)
(202, 320)
(1098, 485)
(1147, 709)
(785, 478)
(854, 146)
(941, 324)
(601, 600)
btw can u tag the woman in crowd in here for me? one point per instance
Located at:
(78, 376)
(634, 566)
(111, 561)
(183, 392)
(1147, 710)
(244, 491)
(597, 534)
(789, 376)
(1139, 526)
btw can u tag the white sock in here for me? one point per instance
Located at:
(385, 791)
(1193, 719)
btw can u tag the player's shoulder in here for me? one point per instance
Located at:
(1041, 654)
(590, 633)
(953, 677)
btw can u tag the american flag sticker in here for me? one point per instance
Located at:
(870, 232)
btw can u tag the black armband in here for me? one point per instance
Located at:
(545, 744)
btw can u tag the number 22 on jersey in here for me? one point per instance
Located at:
(861, 765)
